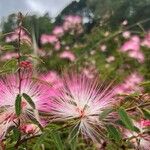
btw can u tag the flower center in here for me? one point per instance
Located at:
(81, 112)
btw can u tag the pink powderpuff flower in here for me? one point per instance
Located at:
(146, 41)
(82, 100)
(103, 48)
(15, 36)
(110, 59)
(71, 22)
(58, 31)
(125, 22)
(73, 19)
(53, 78)
(141, 140)
(57, 46)
(137, 55)
(54, 82)
(30, 129)
(130, 85)
(126, 34)
(8, 56)
(88, 73)
(132, 44)
(45, 38)
(10, 87)
(67, 55)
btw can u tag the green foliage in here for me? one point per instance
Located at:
(126, 119)
(10, 66)
(29, 100)
(146, 113)
(18, 104)
(114, 133)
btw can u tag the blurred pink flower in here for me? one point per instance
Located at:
(103, 48)
(82, 99)
(53, 78)
(137, 55)
(146, 41)
(58, 31)
(67, 55)
(15, 36)
(126, 34)
(73, 22)
(132, 44)
(130, 85)
(125, 22)
(8, 56)
(45, 38)
(57, 46)
(132, 47)
(88, 73)
(73, 19)
(110, 59)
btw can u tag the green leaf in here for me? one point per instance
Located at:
(57, 140)
(18, 105)
(146, 83)
(114, 133)
(105, 113)
(126, 119)
(29, 100)
(9, 66)
(35, 121)
(74, 133)
(146, 113)
(8, 47)
(17, 133)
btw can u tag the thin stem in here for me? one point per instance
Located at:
(18, 49)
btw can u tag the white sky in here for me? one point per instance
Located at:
(32, 6)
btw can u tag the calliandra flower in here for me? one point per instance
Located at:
(140, 140)
(137, 55)
(146, 40)
(67, 55)
(48, 38)
(14, 36)
(131, 44)
(130, 84)
(53, 78)
(57, 46)
(103, 47)
(132, 48)
(110, 59)
(8, 56)
(125, 22)
(30, 129)
(126, 34)
(58, 31)
(82, 100)
(73, 23)
(9, 89)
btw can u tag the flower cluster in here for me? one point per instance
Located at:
(24, 37)
(132, 48)
(130, 85)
